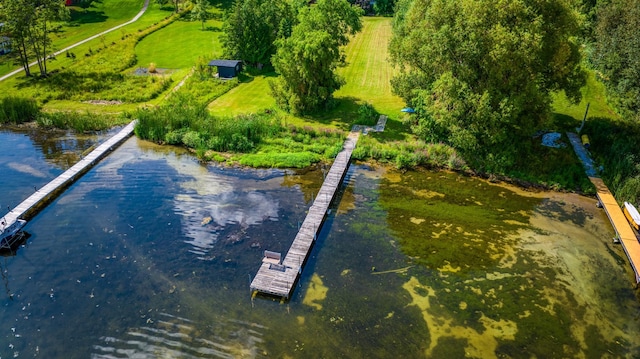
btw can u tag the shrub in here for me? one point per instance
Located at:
(367, 115)
(152, 68)
(280, 160)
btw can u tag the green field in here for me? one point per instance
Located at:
(367, 74)
(86, 22)
(180, 44)
(251, 96)
(98, 17)
(368, 71)
(593, 93)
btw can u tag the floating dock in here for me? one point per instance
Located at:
(42, 196)
(278, 278)
(621, 226)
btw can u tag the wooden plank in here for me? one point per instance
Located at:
(279, 283)
(620, 225)
(47, 191)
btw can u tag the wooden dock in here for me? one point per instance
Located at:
(620, 225)
(42, 196)
(279, 278)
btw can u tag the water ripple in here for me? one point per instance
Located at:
(176, 337)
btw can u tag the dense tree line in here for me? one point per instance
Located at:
(252, 27)
(479, 72)
(28, 23)
(616, 53)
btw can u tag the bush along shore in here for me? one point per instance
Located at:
(257, 140)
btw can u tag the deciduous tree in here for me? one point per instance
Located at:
(200, 11)
(28, 23)
(252, 26)
(307, 60)
(617, 53)
(479, 72)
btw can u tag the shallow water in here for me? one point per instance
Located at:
(151, 253)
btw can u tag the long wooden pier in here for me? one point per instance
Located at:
(278, 278)
(42, 196)
(621, 226)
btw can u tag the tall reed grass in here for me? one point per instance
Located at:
(183, 121)
(78, 121)
(16, 110)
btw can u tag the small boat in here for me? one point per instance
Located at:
(632, 215)
(8, 232)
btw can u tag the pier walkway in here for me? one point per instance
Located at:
(621, 226)
(33, 203)
(278, 278)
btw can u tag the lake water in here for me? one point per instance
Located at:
(151, 253)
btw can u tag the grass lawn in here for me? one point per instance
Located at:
(98, 17)
(367, 74)
(251, 96)
(180, 44)
(593, 93)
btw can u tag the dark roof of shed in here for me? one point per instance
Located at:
(224, 63)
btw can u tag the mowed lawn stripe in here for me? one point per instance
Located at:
(248, 97)
(367, 76)
(368, 72)
(180, 44)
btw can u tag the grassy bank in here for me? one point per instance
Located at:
(104, 73)
(257, 140)
(85, 22)
(180, 44)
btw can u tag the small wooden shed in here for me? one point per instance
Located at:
(227, 68)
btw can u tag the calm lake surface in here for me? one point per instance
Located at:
(150, 255)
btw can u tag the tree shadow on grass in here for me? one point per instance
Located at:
(564, 123)
(345, 114)
(246, 77)
(86, 17)
(70, 83)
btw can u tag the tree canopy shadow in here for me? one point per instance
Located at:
(71, 82)
(564, 122)
(86, 17)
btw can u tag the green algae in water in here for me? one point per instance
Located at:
(516, 275)
(441, 213)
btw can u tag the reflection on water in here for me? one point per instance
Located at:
(213, 200)
(150, 255)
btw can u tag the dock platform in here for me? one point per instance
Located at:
(620, 225)
(619, 222)
(42, 196)
(278, 279)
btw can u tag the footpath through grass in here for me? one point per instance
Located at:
(86, 22)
